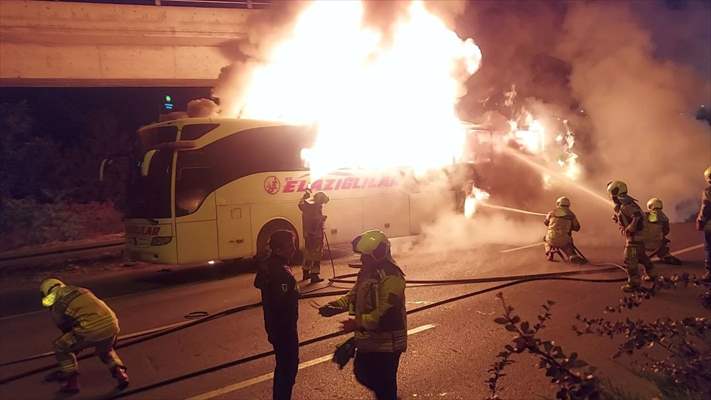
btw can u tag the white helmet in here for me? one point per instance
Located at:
(654, 204)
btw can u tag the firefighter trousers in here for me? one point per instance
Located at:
(634, 255)
(313, 248)
(286, 353)
(378, 372)
(69, 344)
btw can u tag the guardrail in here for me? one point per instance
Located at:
(58, 254)
(248, 4)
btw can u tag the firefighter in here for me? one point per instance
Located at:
(85, 321)
(629, 216)
(312, 220)
(377, 302)
(657, 228)
(280, 302)
(561, 223)
(703, 223)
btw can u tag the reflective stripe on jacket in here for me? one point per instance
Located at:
(704, 217)
(561, 222)
(377, 301)
(631, 219)
(656, 227)
(79, 310)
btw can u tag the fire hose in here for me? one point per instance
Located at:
(139, 337)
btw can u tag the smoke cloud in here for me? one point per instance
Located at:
(641, 107)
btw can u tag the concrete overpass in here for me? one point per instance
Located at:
(51, 43)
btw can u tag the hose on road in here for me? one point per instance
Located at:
(139, 337)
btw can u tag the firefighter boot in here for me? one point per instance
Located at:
(71, 385)
(56, 376)
(119, 373)
(671, 260)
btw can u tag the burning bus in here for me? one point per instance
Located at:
(206, 189)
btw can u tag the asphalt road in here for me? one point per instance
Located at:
(449, 350)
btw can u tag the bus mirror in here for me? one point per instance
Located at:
(146, 164)
(102, 168)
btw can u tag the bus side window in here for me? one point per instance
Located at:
(193, 180)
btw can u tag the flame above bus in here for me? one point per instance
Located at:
(376, 102)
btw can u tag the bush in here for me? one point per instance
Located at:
(26, 222)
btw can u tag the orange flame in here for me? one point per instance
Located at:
(376, 105)
(472, 202)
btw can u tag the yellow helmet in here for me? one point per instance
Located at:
(47, 288)
(562, 202)
(373, 243)
(654, 204)
(321, 198)
(707, 174)
(616, 188)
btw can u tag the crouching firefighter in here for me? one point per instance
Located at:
(561, 223)
(312, 219)
(657, 229)
(629, 217)
(85, 321)
(377, 300)
(703, 223)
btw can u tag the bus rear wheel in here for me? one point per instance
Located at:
(266, 232)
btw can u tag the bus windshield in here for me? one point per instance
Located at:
(149, 195)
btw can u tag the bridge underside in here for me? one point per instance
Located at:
(46, 43)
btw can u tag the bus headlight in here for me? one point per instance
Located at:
(161, 240)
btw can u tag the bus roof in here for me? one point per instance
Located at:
(237, 124)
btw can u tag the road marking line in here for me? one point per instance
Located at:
(522, 247)
(687, 249)
(258, 379)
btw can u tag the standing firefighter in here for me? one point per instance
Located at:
(656, 231)
(703, 222)
(561, 223)
(629, 216)
(86, 322)
(280, 301)
(312, 219)
(378, 303)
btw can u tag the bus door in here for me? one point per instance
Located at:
(234, 230)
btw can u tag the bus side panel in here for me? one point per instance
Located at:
(388, 212)
(345, 219)
(235, 231)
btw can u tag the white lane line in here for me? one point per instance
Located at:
(522, 247)
(253, 381)
(687, 249)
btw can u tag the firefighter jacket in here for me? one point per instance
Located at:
(78, 310)
(312, 218)
(377, 300)
(703, 221)
(656, 228)
(630, 218)
(561, 222)
(280, 297)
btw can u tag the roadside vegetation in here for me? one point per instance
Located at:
(672, 353)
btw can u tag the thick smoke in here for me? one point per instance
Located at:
(641, 107)
(614, 70)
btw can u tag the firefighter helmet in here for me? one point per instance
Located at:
(707, 174)
(654, 204)
(47, 288)
(321, 198)
(616, 188)
(373, 243)
(562, 202)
